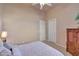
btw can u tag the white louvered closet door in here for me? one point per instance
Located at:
(52, 30)
(42, 30)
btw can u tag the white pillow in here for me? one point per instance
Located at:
(16, 51)
(4, 51)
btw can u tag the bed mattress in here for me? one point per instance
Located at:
(38, 49)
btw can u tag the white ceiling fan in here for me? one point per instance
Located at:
(42, 4)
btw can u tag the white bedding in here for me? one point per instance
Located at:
(38, 49)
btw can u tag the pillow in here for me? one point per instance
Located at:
(7, 45)
(16, 51)
(4, 51)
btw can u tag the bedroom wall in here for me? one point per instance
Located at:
(21, 21)
(65, 15)
(0, 16)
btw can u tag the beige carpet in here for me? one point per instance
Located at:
(61, 49)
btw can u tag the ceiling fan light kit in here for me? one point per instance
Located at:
(42, 5)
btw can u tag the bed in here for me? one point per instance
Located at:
(36, 49)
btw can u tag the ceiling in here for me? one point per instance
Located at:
(35, 6)
(45, 7)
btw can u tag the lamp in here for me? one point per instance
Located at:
(3, 35)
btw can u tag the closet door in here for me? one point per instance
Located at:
(77, 43)
(71, 41)
(52, 30)
(42, 30)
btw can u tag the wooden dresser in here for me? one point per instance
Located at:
(73, 41)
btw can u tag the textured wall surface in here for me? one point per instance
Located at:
(65, 16)
(21, 22)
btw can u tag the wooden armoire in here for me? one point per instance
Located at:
(73, 41)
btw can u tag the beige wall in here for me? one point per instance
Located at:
(21, 22)
(65, 15)
(0, 16)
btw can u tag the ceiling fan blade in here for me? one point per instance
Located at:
(49, 4)
(33, 4)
